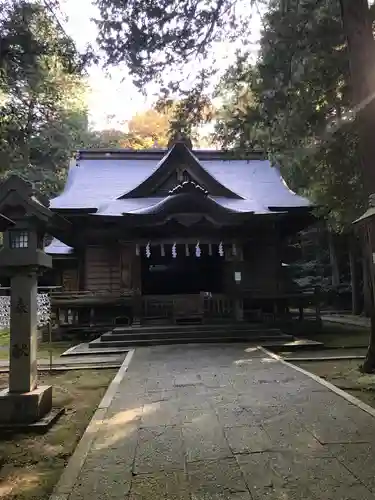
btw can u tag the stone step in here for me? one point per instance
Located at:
(205, 327)
(185, 334)
(187, 340)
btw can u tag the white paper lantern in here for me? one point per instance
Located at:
(148, 250)
(174, 251)
(221, 249)
(198, 250)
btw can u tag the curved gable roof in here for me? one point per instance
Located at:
(255, 180)
(93, 182)
(180, 155)
(101, 177)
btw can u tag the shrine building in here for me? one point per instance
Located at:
(174, 234)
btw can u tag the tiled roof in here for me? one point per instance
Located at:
(255, 180)
(100, 178)
(94, 182)
(98, 183)
(57, 247)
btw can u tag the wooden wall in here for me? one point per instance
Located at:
(260, 271)
(102, 269)
(130, 269)
(117, 269)
(69, 279)
(109, 269)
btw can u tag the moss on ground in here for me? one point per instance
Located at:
(44, 348)
(346, 375)
(30, 465)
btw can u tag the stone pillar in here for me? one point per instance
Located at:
(23, 333)
(22, 257)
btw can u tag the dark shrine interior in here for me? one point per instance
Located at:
(184, 274)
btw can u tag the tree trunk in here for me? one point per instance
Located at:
(27, 133)
(366, 287)
(354, 274)
(361, 48)
(333, 259)
(369, 363)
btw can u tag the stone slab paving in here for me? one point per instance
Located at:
(76, 361)
(347, 319)
(227, 423)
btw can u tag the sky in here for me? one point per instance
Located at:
(112, 98)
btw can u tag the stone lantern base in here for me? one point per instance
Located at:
(22, 409)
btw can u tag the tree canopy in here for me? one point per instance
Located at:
(153, 37)
(295, 103)
(42, 108)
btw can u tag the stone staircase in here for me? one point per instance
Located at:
(185, 334)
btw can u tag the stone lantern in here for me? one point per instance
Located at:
(22, 258)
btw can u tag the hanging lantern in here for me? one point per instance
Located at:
(187, 251)
(209, 249)
(148, 250)
(162, 250)
(221, 249)
(174, 251)
(234, 249)
(198, 250)
(137, 250)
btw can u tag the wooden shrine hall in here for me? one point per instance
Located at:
(173, 235)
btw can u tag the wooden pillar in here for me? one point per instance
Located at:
(136, 285)
(81, 269)
(237, 267)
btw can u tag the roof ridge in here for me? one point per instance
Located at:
(153, 153)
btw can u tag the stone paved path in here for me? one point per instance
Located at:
(74, 362)
(217, 422)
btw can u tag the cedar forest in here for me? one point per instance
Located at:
(307, 100)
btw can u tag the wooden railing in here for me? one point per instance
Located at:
(179, 307)
(70, 307)
(218, 306)
(157, 307)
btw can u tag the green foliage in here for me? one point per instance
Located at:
(295, 104)
(43, 116)
(192, 109)
(152, 126)
(312, 266)
(147, 129)
(157, 126)
(153, 37)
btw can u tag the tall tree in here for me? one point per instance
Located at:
(358, 23)
(300, 120)
(43, 113)
(147, 129)
(293, 104)
(150, 125)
